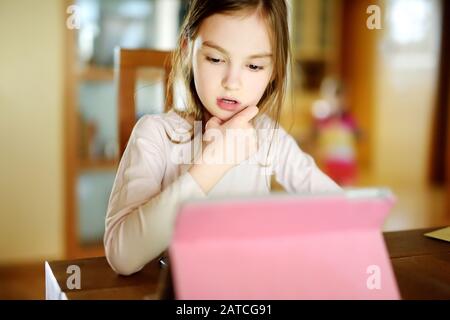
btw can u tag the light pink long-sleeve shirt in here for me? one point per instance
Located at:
(152, 181)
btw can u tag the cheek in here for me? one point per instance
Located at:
(205, 77)
(258, 84)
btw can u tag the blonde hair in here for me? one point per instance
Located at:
(275, 14)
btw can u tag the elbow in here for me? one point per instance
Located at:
(118, 259)
(128, 248)
(120, 268)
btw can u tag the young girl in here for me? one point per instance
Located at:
(232, 57)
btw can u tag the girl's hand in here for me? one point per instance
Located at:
(225, 146)
(229, 143)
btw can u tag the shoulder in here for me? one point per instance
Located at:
(264, 121)
(167, 125)
(267, 123)
(269, 130)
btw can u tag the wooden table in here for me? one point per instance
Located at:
(421, 266)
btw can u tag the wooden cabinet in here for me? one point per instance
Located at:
(93, 29)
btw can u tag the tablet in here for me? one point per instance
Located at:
(322, 246)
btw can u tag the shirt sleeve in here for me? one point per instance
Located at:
(140, 216)
(296, 170)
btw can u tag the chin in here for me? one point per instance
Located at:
(221, 114)
(225, 115)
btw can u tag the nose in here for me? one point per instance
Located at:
(232, 78)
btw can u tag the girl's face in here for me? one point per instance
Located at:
(232, 59)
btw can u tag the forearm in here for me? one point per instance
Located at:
(144, 233)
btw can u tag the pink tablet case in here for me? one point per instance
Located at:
(318, 247)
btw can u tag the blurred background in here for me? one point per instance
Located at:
(370, 102)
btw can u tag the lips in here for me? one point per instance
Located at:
(228, 103)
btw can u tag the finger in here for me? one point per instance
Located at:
(245, 115)
(214, 122)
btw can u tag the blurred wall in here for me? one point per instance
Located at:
(392, 76)
(31, 124)
(406, 65)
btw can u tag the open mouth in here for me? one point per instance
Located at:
(228, 103)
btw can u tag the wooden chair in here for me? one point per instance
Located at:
(127, 62)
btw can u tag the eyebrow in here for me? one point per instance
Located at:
(215, 46)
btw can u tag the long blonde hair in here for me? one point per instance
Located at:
(276, 16)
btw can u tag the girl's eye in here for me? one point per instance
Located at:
(213, 60)
(254, 67)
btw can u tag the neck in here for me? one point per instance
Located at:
(206, 117)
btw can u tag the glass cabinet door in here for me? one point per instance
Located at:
(104, 25)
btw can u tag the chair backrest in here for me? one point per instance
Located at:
(127, 62)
